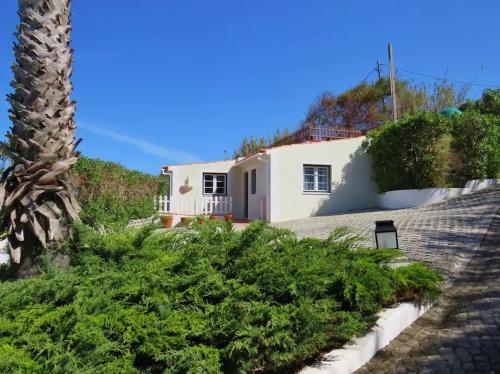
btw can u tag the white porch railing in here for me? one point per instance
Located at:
(194, 206)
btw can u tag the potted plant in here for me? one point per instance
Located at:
(228, 217)
(201, 220)
(213, 217)
(167, 220)
(184, 221)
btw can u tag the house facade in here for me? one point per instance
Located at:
(276, 184)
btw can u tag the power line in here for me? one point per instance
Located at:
(446, 79)
(368, 75)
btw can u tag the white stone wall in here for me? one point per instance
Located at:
(400, 199)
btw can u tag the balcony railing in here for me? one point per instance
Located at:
(312, 133)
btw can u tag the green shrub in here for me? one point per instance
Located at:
(430, 150)
(111, 195)
(476, 145)
(207, 300)
(489, 103)
(410, 153)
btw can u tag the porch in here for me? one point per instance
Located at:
(194, 206)
(189, 206)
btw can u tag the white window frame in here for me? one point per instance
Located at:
(214, 184)
(316, 169)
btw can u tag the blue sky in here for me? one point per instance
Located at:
(161, 82)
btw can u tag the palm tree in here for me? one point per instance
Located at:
(36, 198)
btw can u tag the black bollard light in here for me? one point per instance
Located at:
(386, 234)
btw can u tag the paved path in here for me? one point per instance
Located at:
(461, 333)
(444, 235)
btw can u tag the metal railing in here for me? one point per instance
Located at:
(312, 133)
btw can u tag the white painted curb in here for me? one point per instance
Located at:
(390, 324)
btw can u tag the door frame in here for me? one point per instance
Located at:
(245, 194)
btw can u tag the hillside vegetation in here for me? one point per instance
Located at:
(363, 107)
(112, 195)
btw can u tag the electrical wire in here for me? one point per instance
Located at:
(446, 79)
(368, 75)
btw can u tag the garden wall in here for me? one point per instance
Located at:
(400, 199)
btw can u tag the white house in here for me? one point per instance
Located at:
(276, 184)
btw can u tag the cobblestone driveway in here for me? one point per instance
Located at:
(444, 235)
(461, 333)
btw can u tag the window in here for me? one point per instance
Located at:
(254, 181)
(316, 178)
(214, 184)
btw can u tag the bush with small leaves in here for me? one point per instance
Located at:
(206, 300)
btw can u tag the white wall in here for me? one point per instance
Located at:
(194, 172)
(351, 184)
(399, 199)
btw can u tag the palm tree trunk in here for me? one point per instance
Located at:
(35, 195)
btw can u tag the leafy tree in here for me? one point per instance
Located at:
(445, 94)
(252, 145)
(360, 108)
(489, 103)
(366, 106)
(36, 196)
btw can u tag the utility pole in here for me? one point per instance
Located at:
(378, 70)
(393, 85)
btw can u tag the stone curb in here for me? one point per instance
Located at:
(391, 322)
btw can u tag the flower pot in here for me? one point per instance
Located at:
(184, 221)
(228, 217)
(213, 217)
(166, 221)
(201, 220)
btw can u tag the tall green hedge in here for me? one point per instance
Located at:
(410, 153)
(476, 145)
(431, 150)
(112, 195)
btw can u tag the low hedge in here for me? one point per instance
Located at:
(207, 300)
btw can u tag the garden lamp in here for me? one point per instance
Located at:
(386, 234)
